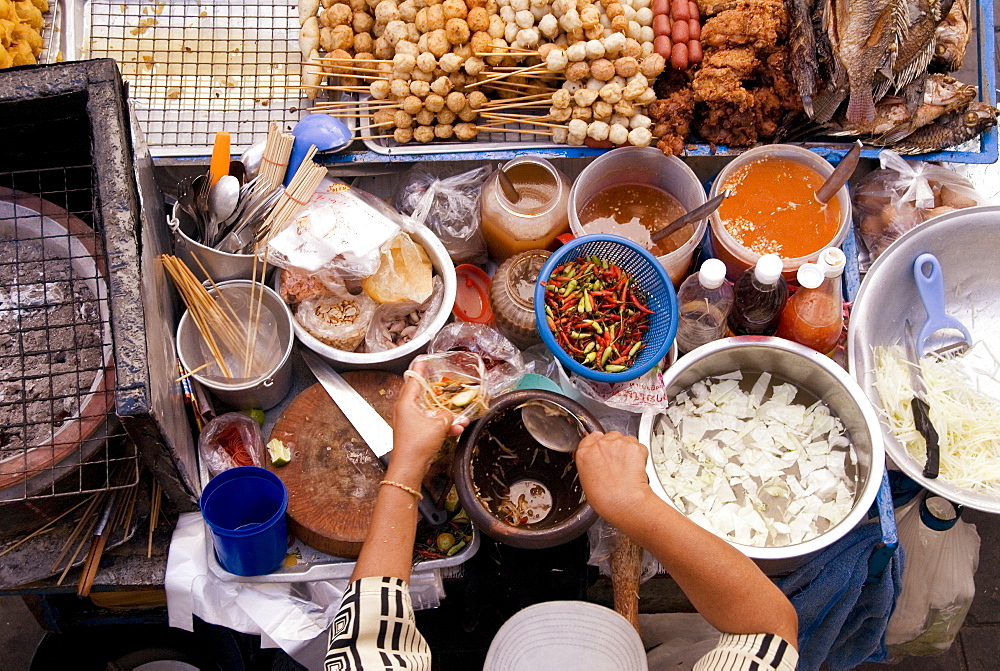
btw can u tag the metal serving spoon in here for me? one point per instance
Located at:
(552, 425)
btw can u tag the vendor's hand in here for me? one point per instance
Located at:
(613, 473)
(418, 433)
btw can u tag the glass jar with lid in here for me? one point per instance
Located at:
(535, 219)
(512, 296)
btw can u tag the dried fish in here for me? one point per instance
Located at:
(952, 36)
(894, 120)
(917, 46)
(802, 51)
(864, 35)
(950, 130)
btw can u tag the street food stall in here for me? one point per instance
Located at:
(231, 232)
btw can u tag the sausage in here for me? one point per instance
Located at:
(694, 51)
(679, 32)
(692, 9)
(694, 29)
(680, 10)
(662, 45)
(661, 24)
(679, 57)
(661, 7)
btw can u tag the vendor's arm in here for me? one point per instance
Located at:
(375, 627)
(726, 587)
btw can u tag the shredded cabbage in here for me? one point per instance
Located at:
(754, 467)
(966, 419)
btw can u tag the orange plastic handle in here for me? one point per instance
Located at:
(220, 157)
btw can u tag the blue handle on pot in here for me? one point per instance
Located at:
(930, 286)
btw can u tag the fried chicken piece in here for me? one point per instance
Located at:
(672, 117)
(741, 59)
(671, 80)
(727, 124)
(779, 72)
(721, 85)
(762, 24)
(712, 7)
(768, 111)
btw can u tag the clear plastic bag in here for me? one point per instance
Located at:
(394, 324)
(339, 319)
(453, 381)
(342, 229)
(902, 194)
(405, 272)
(942, 554)
(603, 539)
(504, 363)
(229, 441)
(450, 208)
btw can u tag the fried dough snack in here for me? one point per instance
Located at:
(21, 25)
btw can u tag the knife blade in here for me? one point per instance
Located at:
(374, 430)
(921, 411)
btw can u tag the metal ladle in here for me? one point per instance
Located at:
(697, 214)
(552, 425)
(507, 186)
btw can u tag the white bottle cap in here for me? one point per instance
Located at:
(768, 269)
(712, 274)
(809, 276)
(833, 260)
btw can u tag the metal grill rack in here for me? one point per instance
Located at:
(197, 67)
(58, 431)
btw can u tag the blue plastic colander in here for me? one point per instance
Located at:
(650, 277)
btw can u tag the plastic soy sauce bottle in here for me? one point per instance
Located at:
(814, 316)
(705, 300)
(759, 296)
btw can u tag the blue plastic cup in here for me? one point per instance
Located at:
(245, 509)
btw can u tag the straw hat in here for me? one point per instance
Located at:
(566, 635)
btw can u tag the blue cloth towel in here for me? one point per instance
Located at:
(842, 618)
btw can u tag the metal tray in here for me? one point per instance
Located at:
(198, 66)
(983, 149)
(311, 563)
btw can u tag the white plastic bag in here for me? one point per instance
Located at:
(942, 554)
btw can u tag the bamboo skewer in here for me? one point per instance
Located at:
(44, 528)
(303, 185)
(376, 125)
(193, 371)
(92, 503)
(530, 68)
(487, 129)
(525, 119)
(156, 498)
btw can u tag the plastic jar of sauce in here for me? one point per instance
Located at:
(536, 219)
(512, 296)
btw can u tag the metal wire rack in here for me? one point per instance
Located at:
(199, 66)
(58, 431)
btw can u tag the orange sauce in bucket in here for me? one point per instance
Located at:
(772, 208)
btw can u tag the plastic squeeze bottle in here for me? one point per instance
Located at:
(814, 315)
(705, 300)
(759, 295)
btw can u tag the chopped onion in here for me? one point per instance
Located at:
(754, 467)
(966, 419)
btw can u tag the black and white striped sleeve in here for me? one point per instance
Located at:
(749, 652)
(375, 629)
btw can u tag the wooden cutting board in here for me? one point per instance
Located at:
(333, 477)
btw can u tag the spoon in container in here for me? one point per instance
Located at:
(222, 201)
(697, 214)
(507, 186)
(552, 425)
(838, 178)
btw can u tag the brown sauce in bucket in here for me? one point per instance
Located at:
(652, 207)
(772, 208)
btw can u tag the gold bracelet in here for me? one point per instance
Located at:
(408, 490)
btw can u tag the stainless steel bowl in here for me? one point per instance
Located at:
(817, 375)
(967, 243)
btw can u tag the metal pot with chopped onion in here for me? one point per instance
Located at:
(755, 460)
